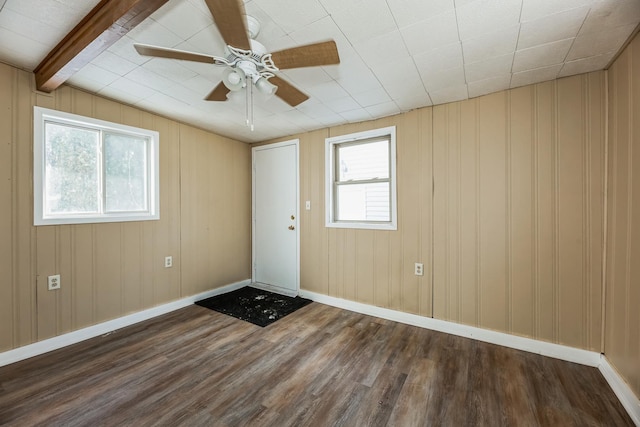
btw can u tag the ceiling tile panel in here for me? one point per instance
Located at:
(61, 15)
(484, 16)
(449, 56)
(493, 44)
(490, 85)
(535, 76)
(611, 14)
(360, 21)
(488, 68)
(597, 43)
(407, 12)
(154, 33)
(541, 56)
(372, 97)
(21, 51)
(320, 30)
(29, 27)
(170, 69)
(114, 63)
(149, 79)
(207, 41)
(449, 94)
(586, 65)
(535, 9)
(340, 105)
(293, 16)
(355, 116)
(432, 33)
(440, 79)
(387, 47)
(412, 102)
(401, 90)
(354, 75)
(327, 91)
(121, 90)
(200, 85)
(403, 70)
(98, 74)
(123, 48)
(382, 110)
(184, 19)
(551, 28)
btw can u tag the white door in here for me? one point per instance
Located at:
(275, 217)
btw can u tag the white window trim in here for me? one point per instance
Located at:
(330, 178)
(153, 176)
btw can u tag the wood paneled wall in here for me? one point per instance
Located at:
(518, 210)
(371, 266)
(110, 270)
(506, 192)
(622, 328)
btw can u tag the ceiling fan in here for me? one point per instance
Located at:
(248, 62)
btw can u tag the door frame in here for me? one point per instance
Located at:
(296, 144)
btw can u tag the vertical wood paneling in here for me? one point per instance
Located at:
(24, 233)
(622, 333)
(545, 114)
(373, 267)
(109, 270)
(314, 237)
(521, 208)
(469, 199)
(518, 210)
(7, 147)
(215, 210)
(424, 199)
(494, 310)
(571, 211)
(411, 167)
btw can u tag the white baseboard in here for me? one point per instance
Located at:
(627, 397)
(576, 355)
(74, 337)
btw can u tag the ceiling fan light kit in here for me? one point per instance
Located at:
(248, 62)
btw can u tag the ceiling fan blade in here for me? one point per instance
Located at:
(164, 52)
(218, 94)
(229, 18)
(311, 55)
(287, 92)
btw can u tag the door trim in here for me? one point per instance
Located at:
(296, 143)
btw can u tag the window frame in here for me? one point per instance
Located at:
(40, 217)
(331, 183)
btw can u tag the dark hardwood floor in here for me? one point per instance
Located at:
(318, 366)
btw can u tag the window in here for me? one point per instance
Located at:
(88, 170)
(361, 180)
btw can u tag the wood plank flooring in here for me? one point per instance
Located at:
(319, 366)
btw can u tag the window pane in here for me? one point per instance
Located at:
(71, 170)
(363, 161)
(363, 202)
(125, 170)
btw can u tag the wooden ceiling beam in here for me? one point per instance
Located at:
(109, 21)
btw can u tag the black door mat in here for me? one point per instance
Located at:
(254, 305)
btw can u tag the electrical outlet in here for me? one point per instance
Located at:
(419, 269)
(53, 282)
(168, 262)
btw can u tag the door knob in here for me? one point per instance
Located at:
(291, 227)
(293, 217)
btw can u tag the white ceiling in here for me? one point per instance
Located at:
(396, 55)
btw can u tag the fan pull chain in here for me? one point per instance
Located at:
(249, 106)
